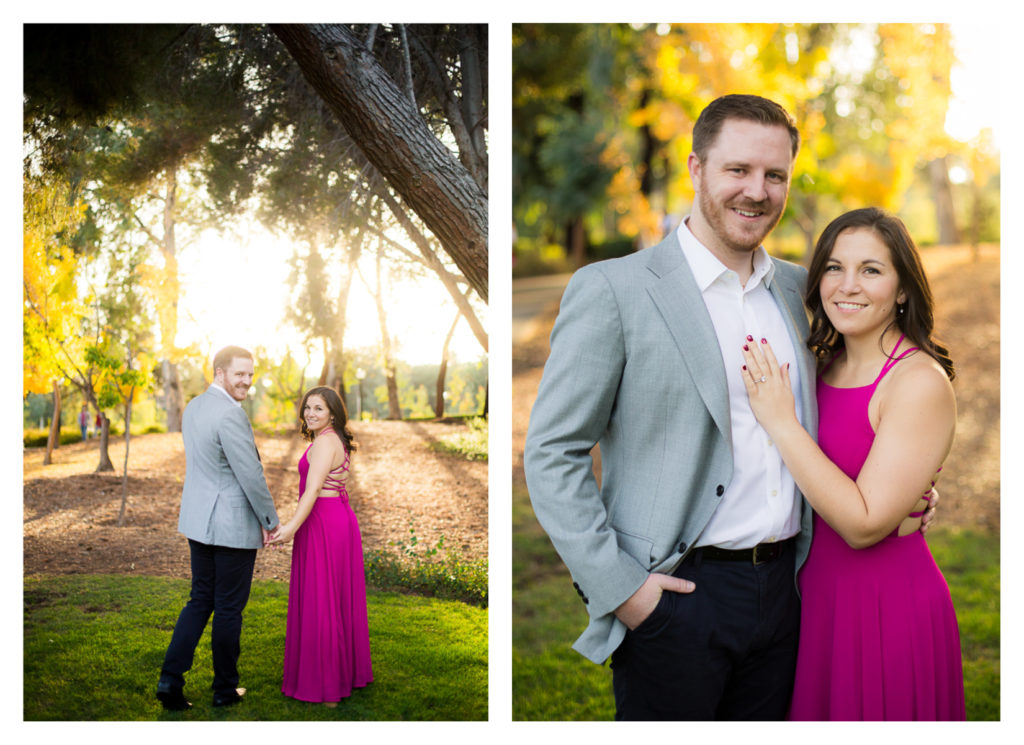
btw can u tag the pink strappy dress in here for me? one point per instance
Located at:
(327, 638)
(878, 633)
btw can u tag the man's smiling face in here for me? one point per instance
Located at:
(742, 184)
(237, 378)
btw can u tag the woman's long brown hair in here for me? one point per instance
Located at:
(339, 415)
(916, 321)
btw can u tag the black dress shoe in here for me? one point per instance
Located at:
(229, 698)
(172, 698)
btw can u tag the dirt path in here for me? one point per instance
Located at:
(71, 513)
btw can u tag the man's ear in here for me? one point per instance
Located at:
(694, 166)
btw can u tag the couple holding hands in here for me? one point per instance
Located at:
(227, 514)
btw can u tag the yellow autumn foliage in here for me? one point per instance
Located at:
(52, 311)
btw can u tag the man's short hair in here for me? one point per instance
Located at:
(223, 359)
(740, 106)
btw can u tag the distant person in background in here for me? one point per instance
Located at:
(327, 637)
(227, 513)
(83, 421)
(878, 633)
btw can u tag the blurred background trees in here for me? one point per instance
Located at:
(603, 114)
(141, 140)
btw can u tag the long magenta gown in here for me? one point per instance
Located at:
(878, 633)
(327, 638)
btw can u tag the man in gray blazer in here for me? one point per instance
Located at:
(686, 553)
(227, 513)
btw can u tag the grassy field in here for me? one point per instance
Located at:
(551, 682)
(94, 645)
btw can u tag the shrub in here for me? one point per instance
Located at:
(36, 438)
(411, 567)
(469, 443)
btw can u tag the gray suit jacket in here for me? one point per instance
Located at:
(225, 500)
(635, 366)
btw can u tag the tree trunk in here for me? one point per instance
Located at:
(442, 371)
(325, 371)
(53, 439)
(943, 192)
(394, 137)
(341, 322)
(648, 147)
(394, 407)
(471, 98)
(105, 464)
(167, 309)
(172, 395)
(391, 376)
(463, 108)
(978, 214)
(805, 216)
(127, 442)
(576, 239)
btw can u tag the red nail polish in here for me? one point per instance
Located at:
(746, 348)
(750, 338)
(744, 368)
(764, 341)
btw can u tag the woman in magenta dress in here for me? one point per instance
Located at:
(327, 640)
(878, 632)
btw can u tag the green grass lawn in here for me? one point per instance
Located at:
(93, 648)
(552, 682)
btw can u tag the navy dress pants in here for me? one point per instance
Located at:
(726, 651)
(221, 579)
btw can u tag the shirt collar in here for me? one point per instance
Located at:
(707, 268)
(217, 386)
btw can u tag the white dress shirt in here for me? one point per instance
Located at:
(760, 503)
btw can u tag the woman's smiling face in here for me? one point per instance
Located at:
(316, 413)
(860, 286)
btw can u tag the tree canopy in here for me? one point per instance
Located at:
(148, 135)
(603, 115)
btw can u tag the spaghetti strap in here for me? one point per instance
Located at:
(335, 479)
(891, 361)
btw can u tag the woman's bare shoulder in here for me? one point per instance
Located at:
(920, 379)
(326, 445)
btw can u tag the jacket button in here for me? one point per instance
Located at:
(720, 490)
(682, 548)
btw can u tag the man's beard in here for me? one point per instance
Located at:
(715, 215)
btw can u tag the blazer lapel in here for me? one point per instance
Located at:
(789, 297)
(679, 300)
